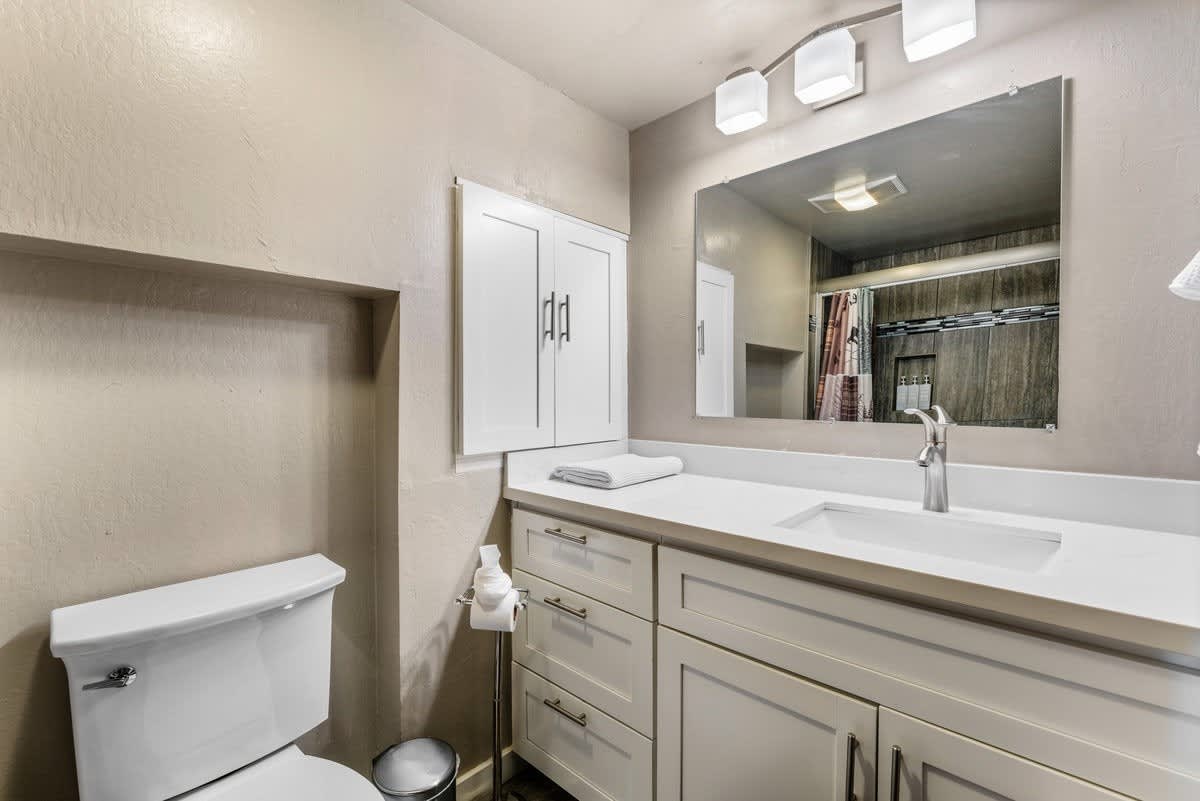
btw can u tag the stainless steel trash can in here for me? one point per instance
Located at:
(417, 770)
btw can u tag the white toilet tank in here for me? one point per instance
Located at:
(228, 669)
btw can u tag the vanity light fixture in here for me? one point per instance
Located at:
(935, 26)
(825, 58)
(825, 67)
(1187, 284)
(742, 102)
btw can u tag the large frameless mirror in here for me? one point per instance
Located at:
(913, 267)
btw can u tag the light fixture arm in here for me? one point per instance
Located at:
(848, 22)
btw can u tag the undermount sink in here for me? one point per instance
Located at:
(941, 535)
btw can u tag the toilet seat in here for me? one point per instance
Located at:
(288, 775)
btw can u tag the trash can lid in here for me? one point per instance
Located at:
(414, 767)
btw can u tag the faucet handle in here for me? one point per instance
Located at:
(943, 417)
(931, 428)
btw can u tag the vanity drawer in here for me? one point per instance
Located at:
(1115, 721)
(598, 653)
(592, 756)
(609, 567)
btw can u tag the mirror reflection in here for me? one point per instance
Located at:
(914, 267)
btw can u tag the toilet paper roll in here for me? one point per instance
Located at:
(501, 616)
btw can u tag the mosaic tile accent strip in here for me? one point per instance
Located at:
(955, 322)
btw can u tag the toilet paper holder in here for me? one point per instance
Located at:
(468, 597)
(498, 794)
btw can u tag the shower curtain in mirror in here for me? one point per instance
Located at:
(844, 387)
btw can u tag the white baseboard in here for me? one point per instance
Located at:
(476, 783)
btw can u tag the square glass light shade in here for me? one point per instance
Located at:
(935, 26)
(825, 67)
(1187, 283)
(742, 103)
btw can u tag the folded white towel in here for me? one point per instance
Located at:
(619, 471)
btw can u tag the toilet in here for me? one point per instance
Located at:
(198, 690)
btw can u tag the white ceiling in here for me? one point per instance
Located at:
(634, 61)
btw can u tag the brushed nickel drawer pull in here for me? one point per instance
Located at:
(896, 757)
(578, 539)
(579, 720)
(851, 747)
(557, 603)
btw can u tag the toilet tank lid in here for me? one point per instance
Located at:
(189, 606)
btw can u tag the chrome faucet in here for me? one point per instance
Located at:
(933, 458)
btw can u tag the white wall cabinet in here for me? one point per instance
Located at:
(730, 727)
(542, 326)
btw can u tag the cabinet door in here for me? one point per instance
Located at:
(714, 341)
(506, 359)
(920, 762)
(591, 398)
(729, 727)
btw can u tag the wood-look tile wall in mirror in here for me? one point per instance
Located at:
(915, 267)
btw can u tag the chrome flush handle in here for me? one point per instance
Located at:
(119, 678)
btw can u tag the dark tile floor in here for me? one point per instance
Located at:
(533, 786)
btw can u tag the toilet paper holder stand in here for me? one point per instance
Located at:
(467, 599)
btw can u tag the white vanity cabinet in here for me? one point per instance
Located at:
(541, 326)
(921, 762)
(730, 727)
(583, 654)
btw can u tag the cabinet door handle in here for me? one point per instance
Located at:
(557, 603)
(700, 337)
(896, 756)
(565, 308)
(548, 317)
(851, 747)
(578, 539)
(579, 720)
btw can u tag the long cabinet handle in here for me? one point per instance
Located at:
(565, 327)
(896, 757)
(557, 603)
(578, 539)
(700, 336)
(548, 317)
(851, 747)
(579, 720)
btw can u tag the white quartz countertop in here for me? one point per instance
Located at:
(1132, 589)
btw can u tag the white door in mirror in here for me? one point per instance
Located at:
(714, 341)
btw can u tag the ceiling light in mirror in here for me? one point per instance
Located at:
(860, 195)
(854, 198)
(935, 26)
(742, 102)
(825, 67)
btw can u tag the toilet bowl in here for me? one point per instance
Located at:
(288, 775)
(198, 690)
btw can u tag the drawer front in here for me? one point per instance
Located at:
(609, 567)
(594, 651)
(1111, 720)
(589, 754)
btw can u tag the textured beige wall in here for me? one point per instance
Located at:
(770, 262)
(158, 428)
(1131, 220)
(317, 139)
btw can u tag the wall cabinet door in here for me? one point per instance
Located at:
(920, 762)
(591, 398)
(729, 727)
(714, 341)
(506, 350)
